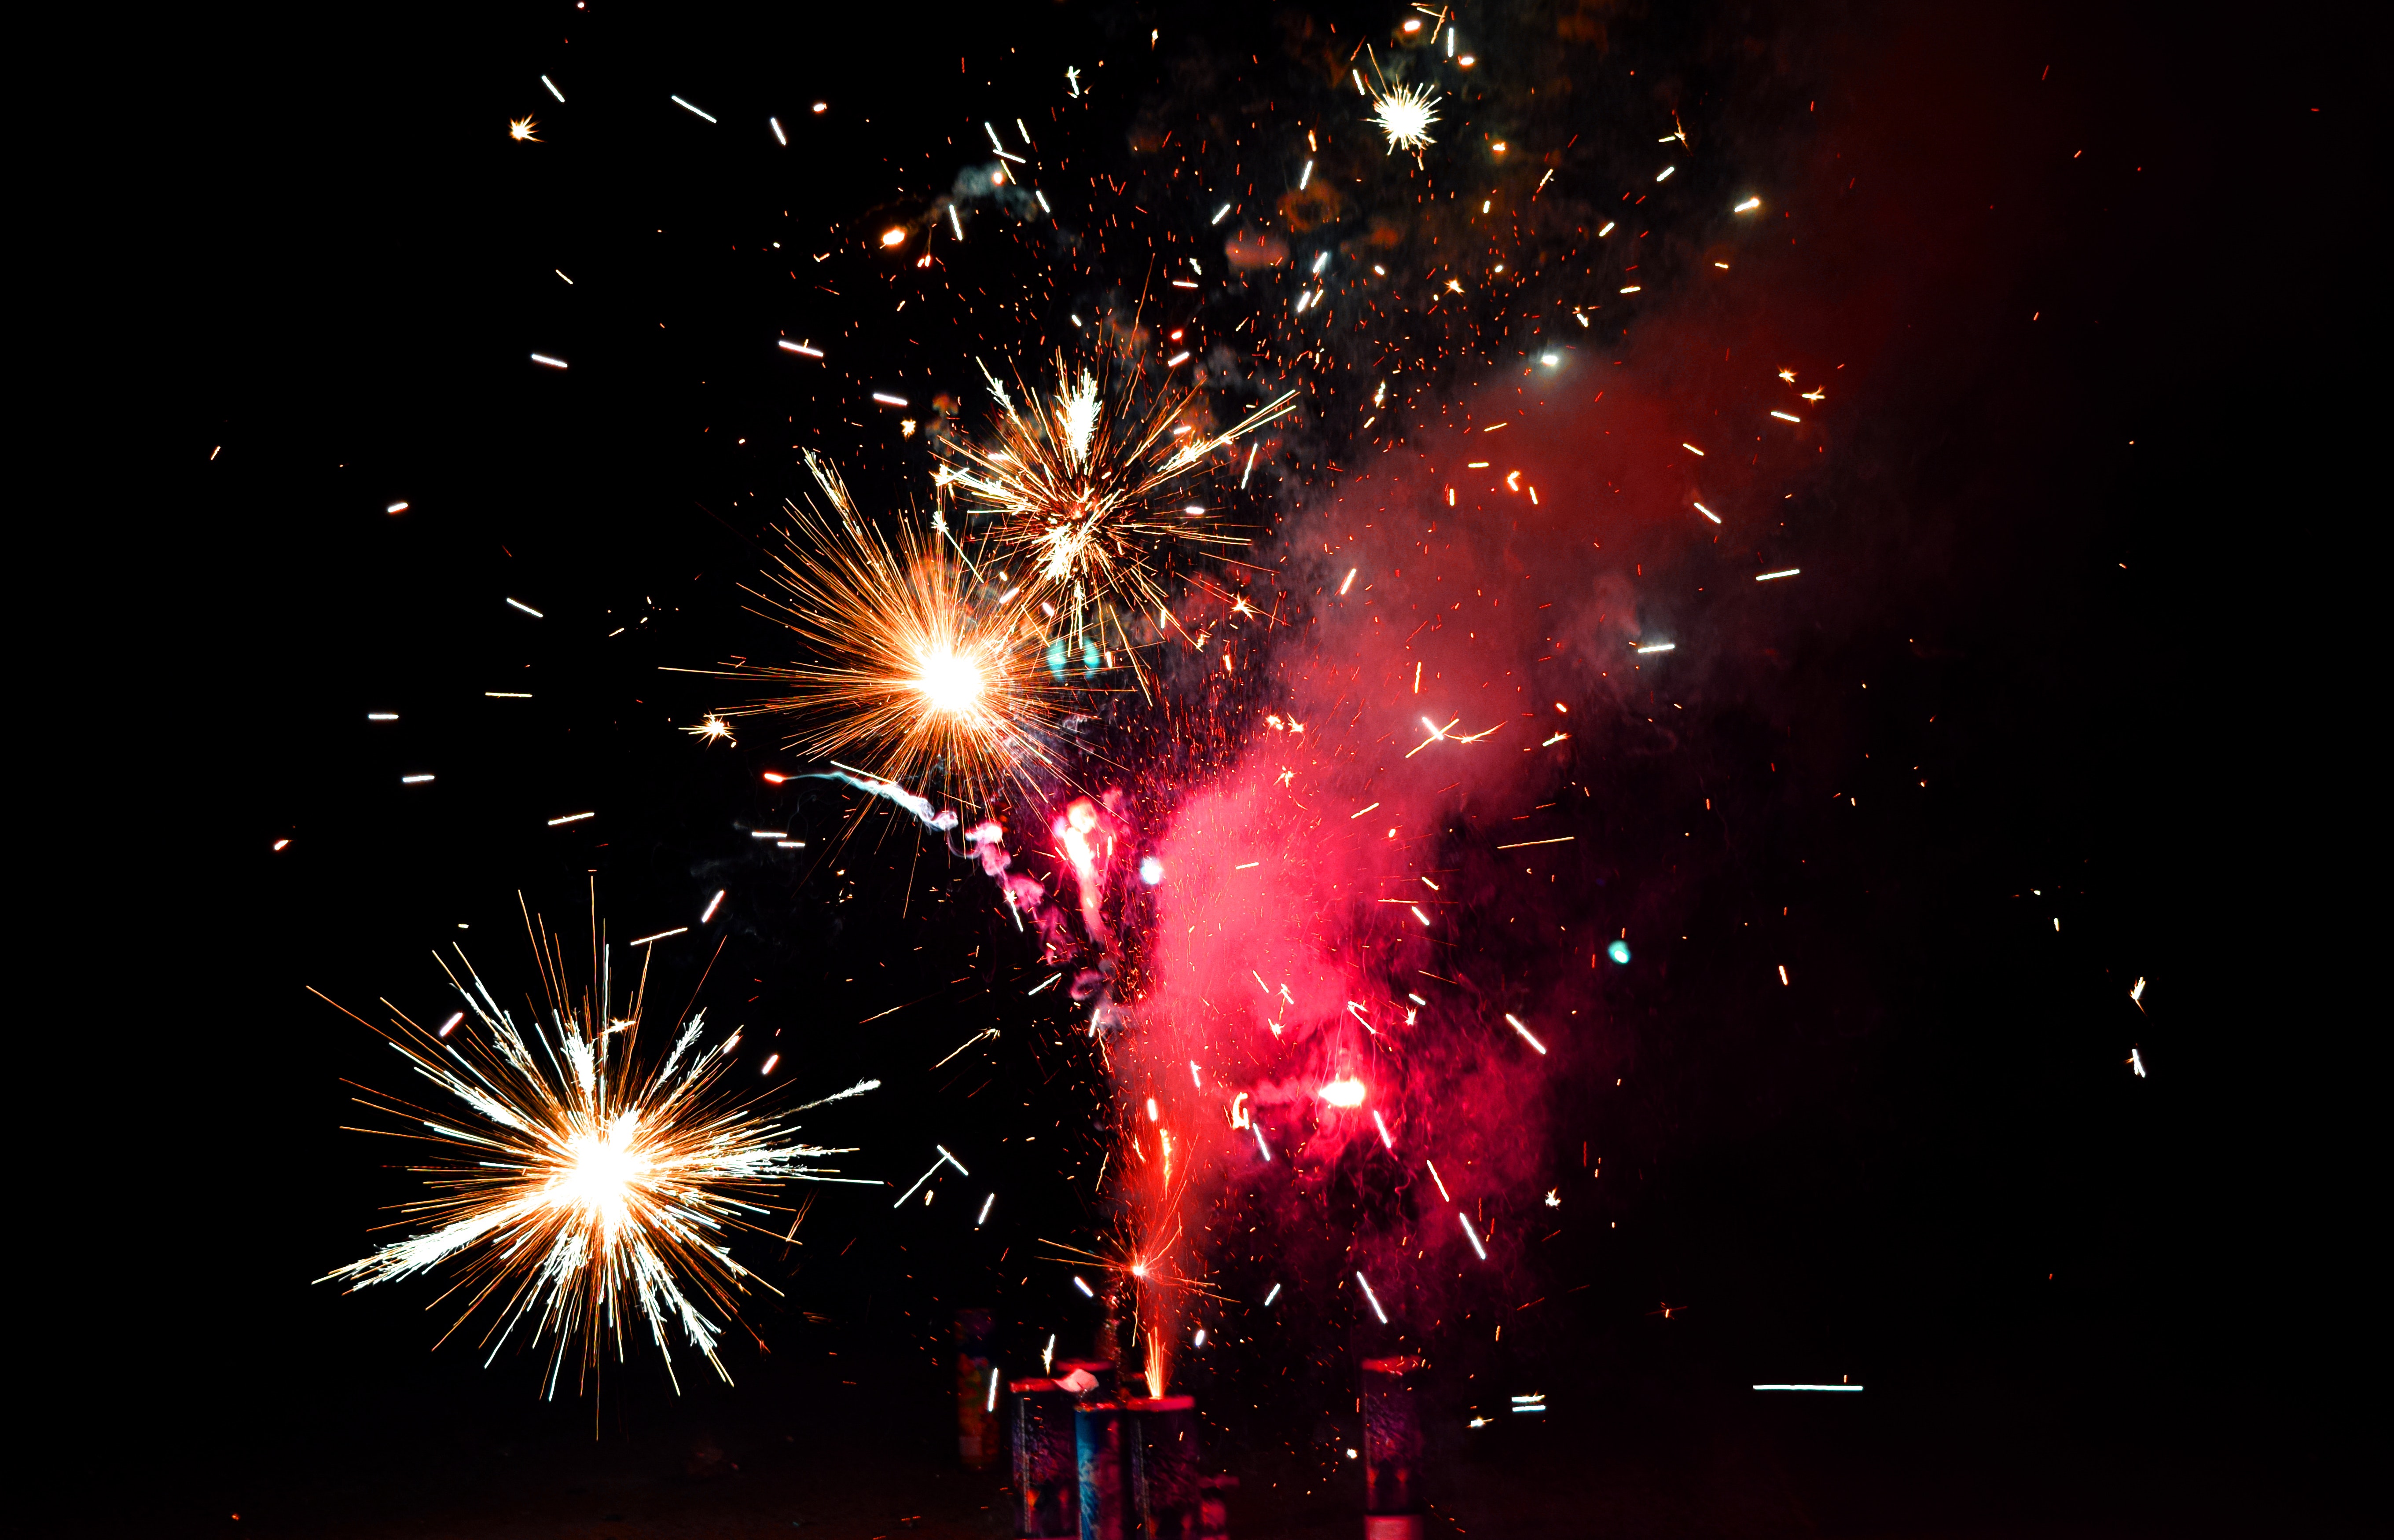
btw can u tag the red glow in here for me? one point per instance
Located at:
(1348, 1092)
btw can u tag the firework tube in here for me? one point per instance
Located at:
(1047, 1462)
(976, 1425)
(1097, 1438)
(1392, 1449)
(1160, 1453)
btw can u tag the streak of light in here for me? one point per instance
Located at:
(698, 111)
(2136, 1061)
(1045, 982)
(1257, 1129)
(995, 1379)
(1782, 973)
(506, 694)
(282, 844)
(1219, 215)
(1251, 463)
(1524, 845)
(677, 930)
(549, 362)
(1273, 1295)
(1360, 812)
(527, 609)
(711, 906)
(413, 780)
(768, 834)
(1516, 1023)
(1660, 647)
(955, 223)
(770, 1059)
(1381, 1124)
(2136, 993)
(1748, 206)
(1350, 583)
(921, 1179)
(1787, 572)
(1664, 175)
(451, 1025)
(885, 399)
(1785, 418)
(778, 135)
(552, 87)
(1854, 1388)
(1373, 1297)
(393, 716)
(1083, 1286)
(986, 1204)
(1606, 231)
(1047, 1355)
(1694, 450)
(570, 818)
(1304, 176)
(1442, 1192)
(787, 345)
(1419, 916)
(396, 508)
(1708, 513)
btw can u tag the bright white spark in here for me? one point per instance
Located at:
(1404, 114)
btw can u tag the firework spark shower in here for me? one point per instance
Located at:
(1481, 731)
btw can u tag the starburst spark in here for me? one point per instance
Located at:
(1404, 114)
(583, 1190)
(711, 729)
(520, 129)
(1073, 487)
(910, 673)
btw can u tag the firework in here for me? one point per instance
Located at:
(581, 1191)
(1404, 114)
(911, 668)
(1076, 484)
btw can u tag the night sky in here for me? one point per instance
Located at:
(2041, 715)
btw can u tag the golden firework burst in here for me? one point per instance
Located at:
(921, 670)
(1076, 487)
(581, 1189)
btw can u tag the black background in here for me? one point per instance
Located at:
(1949, 1184)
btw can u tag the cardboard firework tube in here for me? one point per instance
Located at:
(975, 1425)
(1101, 1370)
(1392, 1450)
(1047, 1462)
(1096, 1440)
(1160, 1451)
